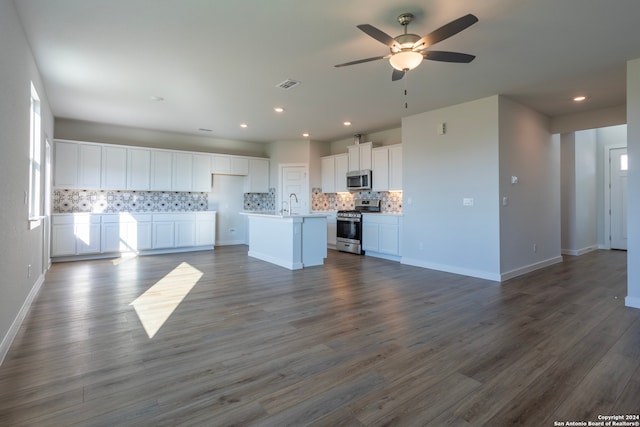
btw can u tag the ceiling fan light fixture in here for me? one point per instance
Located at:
(406, 60)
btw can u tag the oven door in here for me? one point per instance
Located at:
(349, 235)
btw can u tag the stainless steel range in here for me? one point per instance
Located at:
(349, 226)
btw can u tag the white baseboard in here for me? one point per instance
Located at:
(480, 274)
(17, 322)
(529, 268)
(230, 242)
(633, 302)
(578, 252)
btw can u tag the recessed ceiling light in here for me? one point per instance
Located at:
(306, 135)
(244, 125)
(347, 123)
(157, 98)
(278, 109)
(579, 98)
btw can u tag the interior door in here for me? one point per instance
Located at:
(295, 181)
(618, 180)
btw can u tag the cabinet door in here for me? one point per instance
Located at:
(205, 232)
(161, 170)
(139, 236)
(89, 166)
(185, 233)
(365, 151)
(63, 240)
(138, 169)
(354, 157)
(88, 238)
(163, 235)
(332, 230)
(113, 236)
(380, 169)
(258, 181)
(370, 237)
(239, 166)
(114, 168)
(395, 168)
(201, 173)
(388, 239)
(182, 179)
(328, 172)
(341, 165)
(221, 165)
(65, 165)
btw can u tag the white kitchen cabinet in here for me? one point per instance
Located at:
(395, 168)
(75, 234)
(163, 234)
(89, 166)
(185, 231)
(114, 168)
(201, 173)
(258, 179)
(381, 235)
(387, 168)
(65, 164)
(333, 170)
(205, 228)
(342, 164)
(229, 165)
(126, 232)
(332, 230)
(138, 169)
(161, 170)
(360, 156)
(182, 175)
(380, 169)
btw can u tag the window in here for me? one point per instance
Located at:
(35, 161)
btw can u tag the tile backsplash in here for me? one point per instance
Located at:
(105, 201)
(260, 201)
(390, 201)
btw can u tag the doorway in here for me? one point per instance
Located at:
(618, 170)
(294, 188)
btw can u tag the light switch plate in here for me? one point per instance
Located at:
(467, 201)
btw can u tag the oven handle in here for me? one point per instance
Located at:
(348, 219)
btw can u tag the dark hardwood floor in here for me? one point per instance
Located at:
(220, 339)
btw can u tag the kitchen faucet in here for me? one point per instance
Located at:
(290, 204)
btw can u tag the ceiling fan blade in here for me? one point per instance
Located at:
(360, 61)
(440, 55)
(379, 35)
(397, 75)
(446, 31)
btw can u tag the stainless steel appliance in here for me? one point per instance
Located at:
(349, 226)
(359, 180)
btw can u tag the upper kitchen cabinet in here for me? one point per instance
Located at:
(387, 168)
(258, 179)
(138, 169)
(114, 167)
(201, 173)
(360, 156)
(229, 165)
(334, 173)
(182, 179)
(77, 165)
(161, 170)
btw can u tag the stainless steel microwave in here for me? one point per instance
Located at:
(359, 180)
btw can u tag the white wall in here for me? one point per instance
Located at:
(633, 147)
(438, 172)
(579, 192)
(19, 246)
(111, 134)
(532, 214)
(227, 199)
(590, 119)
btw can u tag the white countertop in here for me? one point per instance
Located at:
(277, 214)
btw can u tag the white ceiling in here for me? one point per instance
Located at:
(216, 63)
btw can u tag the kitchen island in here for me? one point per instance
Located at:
(290, 241)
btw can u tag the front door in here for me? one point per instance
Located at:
(618, 171)
(294, 189)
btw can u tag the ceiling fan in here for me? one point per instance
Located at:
(408, 50)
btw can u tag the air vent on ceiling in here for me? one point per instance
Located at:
(288, 84)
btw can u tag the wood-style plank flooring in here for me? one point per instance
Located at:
(220, 339)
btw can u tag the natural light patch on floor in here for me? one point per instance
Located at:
(157, 304)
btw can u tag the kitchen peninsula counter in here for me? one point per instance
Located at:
(290, 241)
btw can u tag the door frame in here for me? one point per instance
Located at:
(607, 191)
(279, 195)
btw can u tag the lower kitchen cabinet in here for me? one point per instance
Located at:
(381, 235)
(88, 235)
(332, 230)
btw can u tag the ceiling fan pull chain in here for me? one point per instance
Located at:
(405, 90)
